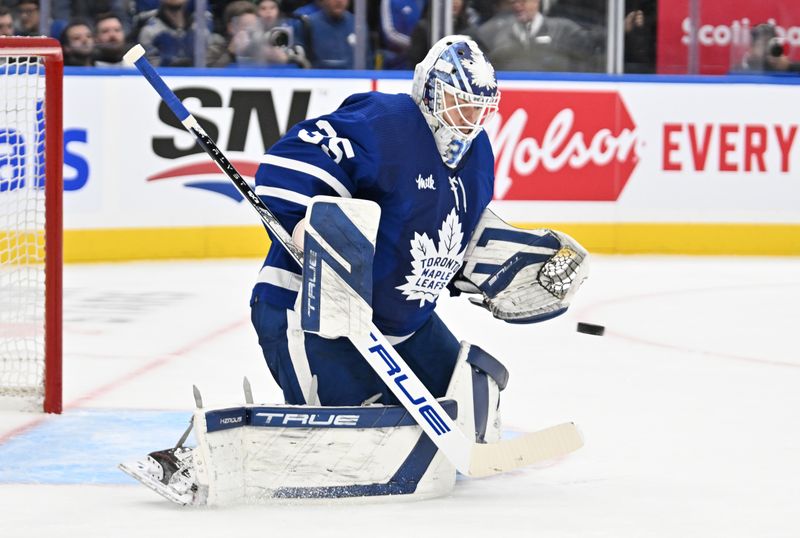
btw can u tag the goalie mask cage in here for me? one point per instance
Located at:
(31, 73)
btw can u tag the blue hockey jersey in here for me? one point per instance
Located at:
(378, 147)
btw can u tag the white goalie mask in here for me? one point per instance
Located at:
(456, 90)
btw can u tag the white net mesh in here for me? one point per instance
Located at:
(22, 221)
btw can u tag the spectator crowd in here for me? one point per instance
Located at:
(530, 35)
(519, 34)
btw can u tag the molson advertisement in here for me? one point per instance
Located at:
(571, 145)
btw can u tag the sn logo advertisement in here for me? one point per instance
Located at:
(247, 106)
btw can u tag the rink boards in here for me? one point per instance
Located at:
(627, 165)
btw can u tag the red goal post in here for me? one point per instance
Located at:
(31, 163)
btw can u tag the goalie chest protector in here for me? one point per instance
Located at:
(386, 153)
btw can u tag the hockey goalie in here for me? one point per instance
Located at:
(387, 197)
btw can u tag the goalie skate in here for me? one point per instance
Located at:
(170, 473)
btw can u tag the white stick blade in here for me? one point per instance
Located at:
(503, 456)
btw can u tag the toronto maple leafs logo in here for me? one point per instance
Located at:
(434, 265)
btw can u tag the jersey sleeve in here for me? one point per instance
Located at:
(332, 155)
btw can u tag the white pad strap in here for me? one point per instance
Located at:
(476, 383)
(339, 245)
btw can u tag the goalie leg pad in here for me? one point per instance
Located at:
(477, 381)
(256, 454)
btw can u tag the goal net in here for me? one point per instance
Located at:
(30, 222)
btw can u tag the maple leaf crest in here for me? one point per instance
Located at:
(481, 71)
(433, 265)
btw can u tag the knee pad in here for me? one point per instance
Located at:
(476, 383)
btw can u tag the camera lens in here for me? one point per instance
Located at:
(279, 37)
(775, 48)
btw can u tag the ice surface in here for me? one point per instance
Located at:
(690, 406)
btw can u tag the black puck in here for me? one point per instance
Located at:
(589, 328)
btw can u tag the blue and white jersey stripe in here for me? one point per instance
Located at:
(310, 170)
(283, 194)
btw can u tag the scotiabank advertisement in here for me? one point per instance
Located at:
(723, 33)
(565, 151)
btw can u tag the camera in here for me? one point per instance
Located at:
(775, 48)
(279, 37)
(767, 36)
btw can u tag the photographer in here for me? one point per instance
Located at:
(248, 43)
(277, 44)
(767, 53)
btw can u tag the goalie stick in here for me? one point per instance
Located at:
(470, 458)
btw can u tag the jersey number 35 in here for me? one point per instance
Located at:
(335, 147)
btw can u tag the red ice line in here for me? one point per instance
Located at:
(628, 298)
